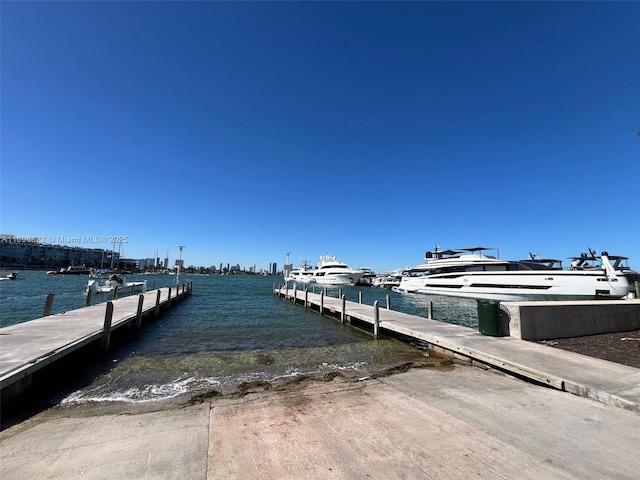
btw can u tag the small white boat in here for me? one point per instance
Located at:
(331, 271)
(113, 282)
(9, 276)
(74, 270)
(302, 274)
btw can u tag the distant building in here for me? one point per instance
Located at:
(274, 268)
(26, 253)
(145, 263)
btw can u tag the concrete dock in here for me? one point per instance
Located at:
(31, 346)
(607, 382)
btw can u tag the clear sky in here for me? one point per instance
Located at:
(369, 131)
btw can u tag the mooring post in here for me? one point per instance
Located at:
(637, 289)
(295, 293)
(360, 296)
(339, 293)
(157, 311)
(430, 310)
(306, 297)
(48, 305)
(154, 285)
(106, 330)
(132, 289)
(286, 290)
(139, 313)
(169, 299)
(376, 319)
(343, 316)
(321, 302)
(388, 302)
(115, 293)
(89, 296)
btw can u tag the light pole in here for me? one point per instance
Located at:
(178, 265)
(286, 267)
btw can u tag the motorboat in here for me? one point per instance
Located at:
(9, 276)
(302, 274)
(368, 275)
(473, 273)
(592, 261)
(388, 281)
(72, 270)
(113, 282)
(331, 271)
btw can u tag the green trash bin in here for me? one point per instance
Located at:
(489, 317)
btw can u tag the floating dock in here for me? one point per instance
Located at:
(607, 382)
(29, 347)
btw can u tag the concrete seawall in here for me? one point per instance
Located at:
(550, 320)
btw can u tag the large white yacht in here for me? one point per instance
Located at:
(331, 271)
(302, 274)
(469, 272)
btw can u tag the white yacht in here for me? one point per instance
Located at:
(331, 271)
(469, 272)
(113, 282)
(388, 281)
(302, 274)
(367, 278)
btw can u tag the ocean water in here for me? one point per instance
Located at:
(232, 330)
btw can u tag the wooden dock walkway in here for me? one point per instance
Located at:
(605, 381)
(30, 346)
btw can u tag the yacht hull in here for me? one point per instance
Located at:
(521, 286)
(339, 279)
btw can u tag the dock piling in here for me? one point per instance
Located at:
(106, 330)
(306, 298)
(343, 315)
(322, 302)
(376, 319)
(156, 313)
(139, 312)
(430, 310)
(359, 296)
(388, 302)
(48, 305)
(89, 297)
(115, 293)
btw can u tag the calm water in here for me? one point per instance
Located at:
(231, 330)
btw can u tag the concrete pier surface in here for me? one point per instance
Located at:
(438, 422)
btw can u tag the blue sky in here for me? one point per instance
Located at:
(369, 131)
